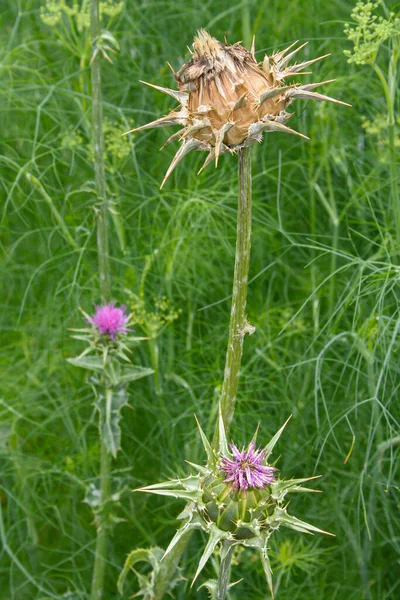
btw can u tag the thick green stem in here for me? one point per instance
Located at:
(235, 343)
(102, 526)
(223, 575)
(237, 326)
(105, 287)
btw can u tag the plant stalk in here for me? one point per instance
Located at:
(99, 171)
(239, 293)
(389, 89)
(105, 288)
(102, 529)
(235, 344)
(223, 575)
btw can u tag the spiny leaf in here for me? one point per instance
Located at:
(270, 446)
(133, 373)
(109, 406)
(267, 568)
(152, 556)
(92, 363)
(206, 443)
(215, 536)
(223, 444)
(280, 516)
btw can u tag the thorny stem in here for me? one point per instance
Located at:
(223, 575)
(239, 292)
(235, 344)
(105, 289)
(102, 531)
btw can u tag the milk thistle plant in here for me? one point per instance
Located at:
(237, 499)
(227, 101)
(107, 335)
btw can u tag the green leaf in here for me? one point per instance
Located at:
(223, 444)
(152, 556)
(281, 517)
(281, 487)
(267, 568)
(215, 536)
(270, 446)
(93, 363)
(186, 489)
(109, 407)
(206, 443)
(134, 372)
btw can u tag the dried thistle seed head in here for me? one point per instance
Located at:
(228, 100)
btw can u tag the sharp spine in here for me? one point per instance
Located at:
(186, 147)
(278, 56)
(181, 97)
(272, 93)
(306, 95)
(284, 61)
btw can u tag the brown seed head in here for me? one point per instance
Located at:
(228, 100)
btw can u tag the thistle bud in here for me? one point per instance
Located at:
(227, 100)
(236, 498)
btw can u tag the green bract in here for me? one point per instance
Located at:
(230, 516)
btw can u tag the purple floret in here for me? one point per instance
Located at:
(109, 319)
(245, 470)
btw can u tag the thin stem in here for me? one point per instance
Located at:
(390, 90)
(223, 575)
(105, 288)
(239, 292)
(98, 148)
(155, 363)
(102, 531)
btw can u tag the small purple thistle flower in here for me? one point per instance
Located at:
(109, 319)
(245, 470)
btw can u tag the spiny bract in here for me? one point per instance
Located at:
(228, 100)
(228, 509)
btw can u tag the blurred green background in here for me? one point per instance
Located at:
(323, 295)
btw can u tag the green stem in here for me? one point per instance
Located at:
(390, 91)
(105, 288)
(235, 344)
(155, 365)
(102, 531)
(98, 148)
(239, 292)
(223, 575)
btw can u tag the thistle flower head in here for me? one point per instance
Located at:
(236, 498)
(246, 469)
(228, 100)
(110, 320)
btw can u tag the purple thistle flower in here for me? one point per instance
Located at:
(110, 319)
(246, 470)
